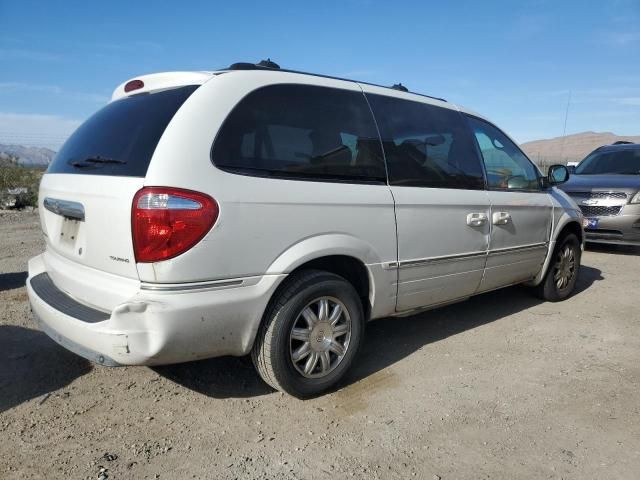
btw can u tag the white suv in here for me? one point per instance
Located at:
(264, 211)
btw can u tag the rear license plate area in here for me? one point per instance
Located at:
(69, 232)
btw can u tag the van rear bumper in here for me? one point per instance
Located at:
(155, 326)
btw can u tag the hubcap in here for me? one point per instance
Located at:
(565, 268)
(320, 337)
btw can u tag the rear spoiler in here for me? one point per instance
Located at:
(159, 81)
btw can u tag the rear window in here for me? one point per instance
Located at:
(303, 132)
(120, 138)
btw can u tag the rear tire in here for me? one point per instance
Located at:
(562, 274)
(310, 334)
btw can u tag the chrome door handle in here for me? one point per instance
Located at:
(476, 219)
(501, 218)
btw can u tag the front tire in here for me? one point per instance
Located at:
(562, 274)
(310, 334)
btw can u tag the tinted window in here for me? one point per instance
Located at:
(625, 161)
(301, 131)
(507, 167)
(124, 134)
(425, 145)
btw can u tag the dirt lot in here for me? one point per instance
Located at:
(502, 386)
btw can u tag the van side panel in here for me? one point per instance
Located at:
(263, 218)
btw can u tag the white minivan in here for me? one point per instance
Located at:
(257, 210)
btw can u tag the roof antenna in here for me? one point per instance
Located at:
(564, 131)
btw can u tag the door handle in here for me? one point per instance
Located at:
(501, 218)
(476, 219)
(66, 208)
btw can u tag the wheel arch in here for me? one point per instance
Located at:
(567, 224)
(351, 269)
(344, 255)
(572, 226)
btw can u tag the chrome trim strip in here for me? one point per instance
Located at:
(600, 194)
(65, 208)
(177, 287)
(448, 258)
(463, 256)
(523, 248)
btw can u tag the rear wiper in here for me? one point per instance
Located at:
(87, 162)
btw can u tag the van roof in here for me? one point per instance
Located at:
(159, 81)
(164, 80)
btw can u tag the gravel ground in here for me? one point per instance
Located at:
(501, 386)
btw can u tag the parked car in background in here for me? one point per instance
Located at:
(606, 186)
(571, 166)
(260, 211)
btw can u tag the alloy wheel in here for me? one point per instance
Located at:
(565, 268)
(320, 337)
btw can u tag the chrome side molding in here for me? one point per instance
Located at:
(182, 287)
(65, 208)
(419, 262)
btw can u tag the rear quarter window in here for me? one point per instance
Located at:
(301, 132)
(121, 137)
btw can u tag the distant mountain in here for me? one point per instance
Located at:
(571, 148)
(28, 156)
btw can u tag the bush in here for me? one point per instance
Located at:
(17, 178)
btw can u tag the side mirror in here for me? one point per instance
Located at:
(557, 174)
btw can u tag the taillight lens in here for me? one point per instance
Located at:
(167, 222)
(133, 85)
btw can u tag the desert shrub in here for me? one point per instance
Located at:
(15, 177)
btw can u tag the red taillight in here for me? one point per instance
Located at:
(166, 222)
(133, 85)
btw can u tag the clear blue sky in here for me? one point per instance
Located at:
(513, 61)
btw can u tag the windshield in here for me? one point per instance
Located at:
(120, 138)
(625, 162)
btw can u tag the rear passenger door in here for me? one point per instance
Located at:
(521, 211)
(442, 209)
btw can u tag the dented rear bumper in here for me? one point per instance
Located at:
(160, 324)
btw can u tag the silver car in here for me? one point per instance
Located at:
(255, 210)
(606, 186)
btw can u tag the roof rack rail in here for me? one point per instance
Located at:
(270, 65)
(622, 142)
(399, 86)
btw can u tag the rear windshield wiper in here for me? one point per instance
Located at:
(87, 162)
